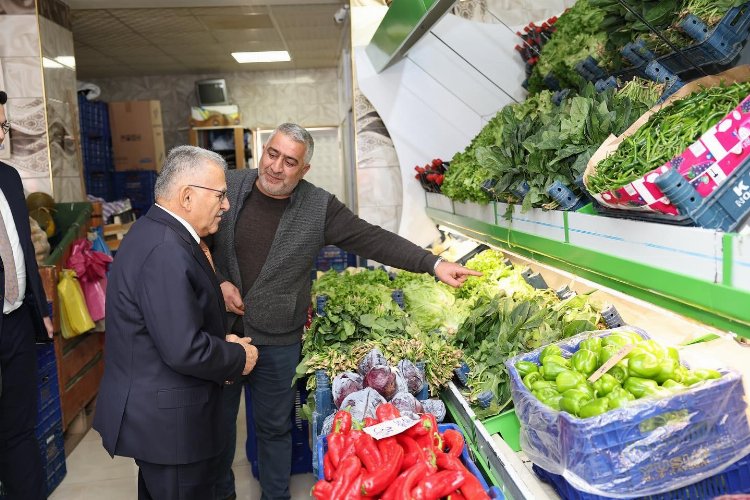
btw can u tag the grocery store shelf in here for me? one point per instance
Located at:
(699, 273)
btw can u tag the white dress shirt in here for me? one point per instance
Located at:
(15, 243)
(183, 222)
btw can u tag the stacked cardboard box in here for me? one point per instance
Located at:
(137, 135)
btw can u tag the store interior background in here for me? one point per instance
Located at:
(140, 50)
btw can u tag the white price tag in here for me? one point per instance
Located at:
(390, 427)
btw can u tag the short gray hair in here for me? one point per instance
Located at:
(297, 133)
(183, 160)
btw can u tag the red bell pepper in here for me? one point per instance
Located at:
(322, 490)
(440, 484)
(328, 468)
(342, 422)
(473, 489)
(412, 452)
(413, 476)
(346, 474)
(386, 411)
(367, 450)
(454, 441)
(374, 482)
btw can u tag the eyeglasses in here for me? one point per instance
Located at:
(5, 126)
(222, 193)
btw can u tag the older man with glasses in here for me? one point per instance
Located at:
(168, 355)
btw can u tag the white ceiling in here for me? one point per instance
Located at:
(141, 37)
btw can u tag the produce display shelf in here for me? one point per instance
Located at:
(494, 457)
(699, 273)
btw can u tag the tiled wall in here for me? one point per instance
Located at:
(39, 139)
(22, 80)
(62, 109)
(265, 98)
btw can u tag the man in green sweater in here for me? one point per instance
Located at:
(264, 251)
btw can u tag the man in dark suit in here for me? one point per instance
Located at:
(167, 356)
(25, 318)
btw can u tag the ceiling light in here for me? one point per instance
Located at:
(49, 63)
(68, 61)
(261, 57)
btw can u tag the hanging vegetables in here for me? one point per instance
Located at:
(666, 134)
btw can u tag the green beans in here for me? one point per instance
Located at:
(666, 134)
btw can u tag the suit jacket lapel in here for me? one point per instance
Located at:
(160, 215)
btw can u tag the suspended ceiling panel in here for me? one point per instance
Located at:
(198, 36)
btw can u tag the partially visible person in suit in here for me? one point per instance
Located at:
(25, 319)
(167, 355)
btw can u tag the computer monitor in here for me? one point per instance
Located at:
(211, 92)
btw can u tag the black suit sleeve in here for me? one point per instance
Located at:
(175, 318)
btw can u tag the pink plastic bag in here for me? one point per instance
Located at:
(91, 268)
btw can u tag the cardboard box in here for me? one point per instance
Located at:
(137, 135)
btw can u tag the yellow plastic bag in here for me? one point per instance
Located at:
(74, 315)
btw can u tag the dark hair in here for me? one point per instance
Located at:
(3, 97)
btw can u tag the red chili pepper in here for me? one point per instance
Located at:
(386, 411)
(440, 484)
(336, 445)
(375, 482)
(412, 452)
(395, 486)
(370, 421)
(422, 428)
(328, 468)
(321, 490)
(348, 471)
(353, 492)
(367, 451)
(342, 422)
(445, 461)
(473, 489)
(454, 441)
(412, 477)
(456, 495)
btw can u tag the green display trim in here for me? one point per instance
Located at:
(566, 227)
(728, 246)
(714, 304)
(479, 460)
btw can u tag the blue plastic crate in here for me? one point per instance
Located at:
(332, 257)
(732, 480)
(48, 390)
(301, 453)
(45, 356)
(716, 47)
(97, 154)
(99, 184)
(48, 417)
(493, 492)
(643, 447)
(93, 118)
(138, 186)
(52, 449)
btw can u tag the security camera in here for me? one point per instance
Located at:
(340, 15)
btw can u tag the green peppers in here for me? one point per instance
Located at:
(618, 402)
(605, 384)
(550, 370)
(532, 377)
(620, 372)
(557, 359)
(526, 367)
(550, 349)
(541, 384)
(621, 339)
(594, 408)
(668, 369)
(638, 387)
(672, 353)
(592, 344)
(673, 385)
(584, 361)
(545, 393)
(568, 379)
(644, 364)
(606, 352)
(572, 400)
(689, 377)
(706, 374)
